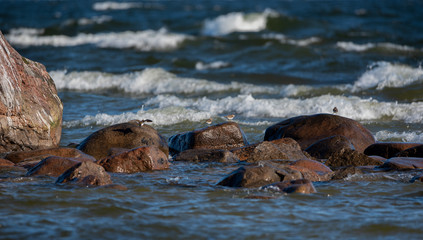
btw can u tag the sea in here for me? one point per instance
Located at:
(180, 63)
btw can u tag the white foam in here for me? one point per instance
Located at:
(399, 136)
(94, 20)
(285, 40)
(109, 5)
(159, 81)
(148, 40)
(213, 65)
(237, 22)
(354, 47)
(385, 74)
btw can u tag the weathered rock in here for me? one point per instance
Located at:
(403, 163)
(5, 163)
(295, 186)
(54, 166)
(348, 157)
(284, 148)
(38, 155)
(136, 160)
(268, 172)
(206, 155)
(86, 174)
(388, 149)
(324, 148)
(221, 136)
(254, 176)
(418, 178)
(345, 172)
(416, 151)
(30, 109)
(306, 130)
(125, 135)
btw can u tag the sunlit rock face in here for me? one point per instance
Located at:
(30, 109)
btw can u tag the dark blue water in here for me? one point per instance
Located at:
(182, 62)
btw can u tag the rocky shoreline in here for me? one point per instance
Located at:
(293, 154)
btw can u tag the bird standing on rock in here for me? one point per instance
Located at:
(141, 122)
(335, 110)
(230, 117)
(209, 121)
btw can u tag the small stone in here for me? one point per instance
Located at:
(303, 186)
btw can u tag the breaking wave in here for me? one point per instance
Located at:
(237, 22)
(354, 47)
(285, 40)
(148, 40)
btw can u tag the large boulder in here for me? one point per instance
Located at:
(324, 148)
(284, 148)
(306, 130)
(389, 149)
(221, 136)
(136, 160)
(128, 135)
(85, 174)
(30, 109)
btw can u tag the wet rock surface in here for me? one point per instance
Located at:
(30, 109)
(348, 157)
(306, 130)
(416, 151)
(403, 163)
(284, 148)
(136, 160)
(38, 155)
(324, 148)
(54, 166)
(85, 174)
(389, 149)
(220, 136)
(125, 135)
(206, 155)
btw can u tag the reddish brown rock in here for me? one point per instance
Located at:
(5, 163)
(284, 148)
(416, 151)
(30, 109)
(348, 157)
(86, 174)
(295, 186)
(312, 170)
(124, 135)
(324, 148)
(206, 155)
(388, 149)
(306, 130)
(221, 136)
(403, 163)
(38, 155)
(54, 166)
(136, 160)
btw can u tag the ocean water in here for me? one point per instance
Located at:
(182, 62)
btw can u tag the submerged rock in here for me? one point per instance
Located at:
(30, 109)
(124, 135)
(206, 155)
(295, 186)
(306, 130)
(325, 147)
(221, 136)
(284, 148)
(136, 160)
(86, 174)
(345, 172)
(389, 149)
